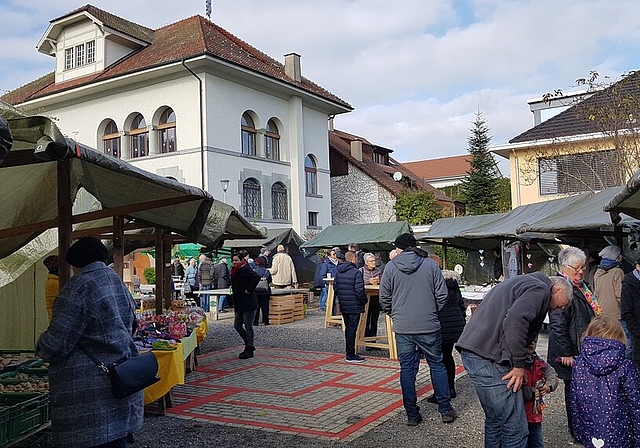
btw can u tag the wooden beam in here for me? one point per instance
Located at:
(64, 217)
(124, 210)
(118, 250)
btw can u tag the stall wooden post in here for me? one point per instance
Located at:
(64, 217)
(118, 250)
(329, 317)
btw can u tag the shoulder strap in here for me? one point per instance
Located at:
(98, 363)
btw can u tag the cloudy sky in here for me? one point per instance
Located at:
(416, 71)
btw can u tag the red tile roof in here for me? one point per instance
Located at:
(340, 142)
(188, 38)
(445, 167)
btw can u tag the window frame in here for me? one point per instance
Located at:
(279, 201)
(111, 136)
(248, 134)
(69, 54)
(312, 220)
(167, 132)
(311, 175)
(91, 51)
(272, 141)
(138, 138)
(80, 55)
(251, 198)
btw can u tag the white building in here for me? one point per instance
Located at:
(191, 101)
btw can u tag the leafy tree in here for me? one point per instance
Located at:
(417, 207)
(504, 194)
(480, 187)
(454, 256)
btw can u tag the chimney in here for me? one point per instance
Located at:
(292, 66)
(356, 149)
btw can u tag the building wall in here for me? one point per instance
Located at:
(357, 198)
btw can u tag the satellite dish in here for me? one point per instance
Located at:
(397, 176)
(458, 269)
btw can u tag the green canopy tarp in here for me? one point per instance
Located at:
(375, 236)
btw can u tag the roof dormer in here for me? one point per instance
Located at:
(88, 40)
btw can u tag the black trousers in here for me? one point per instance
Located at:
(371, 328)
(351, 322)
(449, 363)
(263, 307)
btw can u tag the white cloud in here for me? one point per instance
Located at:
(416, 71)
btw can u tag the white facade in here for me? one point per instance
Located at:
(208, 103)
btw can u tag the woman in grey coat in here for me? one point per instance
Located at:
(94, 309)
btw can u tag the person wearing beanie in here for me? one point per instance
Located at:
(412, 291)
(607, 287)
(608, 281)
(52, 284)
(95, 311)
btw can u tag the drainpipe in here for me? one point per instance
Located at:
(201, 126)
(517, 170)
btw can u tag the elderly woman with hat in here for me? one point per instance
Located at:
(95, 312)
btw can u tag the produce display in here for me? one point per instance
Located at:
(164, 331)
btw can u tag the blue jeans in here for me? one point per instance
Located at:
(221, 301)
(351, 322)
(535, 436)
(205, 298)
(505, 424)
(324, 292)
(628, 353)
(430, 346)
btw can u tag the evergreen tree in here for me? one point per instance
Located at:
(480, 189)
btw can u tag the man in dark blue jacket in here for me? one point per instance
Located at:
(349, 289)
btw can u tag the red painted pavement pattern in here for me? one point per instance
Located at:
(299, 392)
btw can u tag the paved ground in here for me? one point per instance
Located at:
(298, 392)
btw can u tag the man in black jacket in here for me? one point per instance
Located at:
(349, 289)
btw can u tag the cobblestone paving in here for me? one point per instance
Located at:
(299, 392)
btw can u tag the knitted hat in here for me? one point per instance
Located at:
(85, 251)
(51, 262)
(405, 240)
(610, 252)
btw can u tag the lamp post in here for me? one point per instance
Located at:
(224, 183)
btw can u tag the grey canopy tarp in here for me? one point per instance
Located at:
(626, 201)
(446, 231)
(375, 236)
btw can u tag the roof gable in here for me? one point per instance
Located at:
(575, 121)
(442, 168)
(188, 38)
(340, 143)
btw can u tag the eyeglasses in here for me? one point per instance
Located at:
(578, 269)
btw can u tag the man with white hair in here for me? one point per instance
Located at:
(283, 270)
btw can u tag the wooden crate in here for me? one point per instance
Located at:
(280, 317)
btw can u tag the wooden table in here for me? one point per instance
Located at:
(386, 341)
(213, 298)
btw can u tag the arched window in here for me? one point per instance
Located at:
(248, 135)
(167, 131)
(111, 139)
(139, 136)
(272, 141)
(279, 201)
(251, 202)
(311, 175)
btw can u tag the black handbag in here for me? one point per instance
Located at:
(131, 375)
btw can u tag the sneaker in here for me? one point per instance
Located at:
(354, 358)
(450, 416)
(414, 422)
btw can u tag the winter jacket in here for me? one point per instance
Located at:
(205, 273)
(349, 289)
(608, 289)
(452, 316)
(630, 309)
(412, 291)
(326, 267)
(243, 284)
(221, 275)
(177, 270)
(508, 319)
(605, 395)
(534, 371)
(282, 270)
(566, 327)
(94, 308)
(368, 274)
(191, 276)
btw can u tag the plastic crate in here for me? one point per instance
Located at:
(26, 412)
